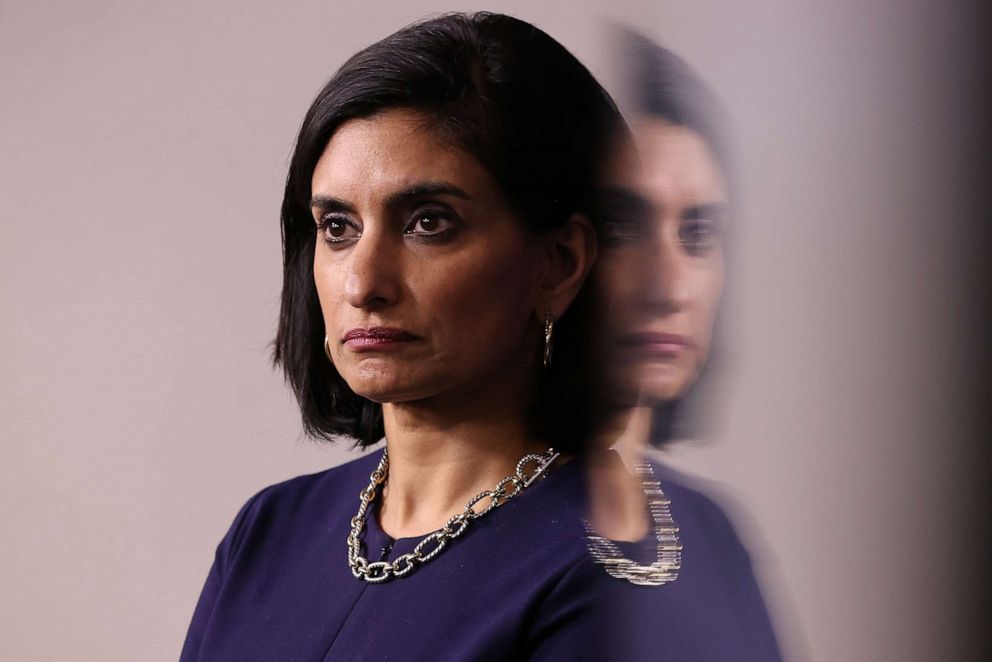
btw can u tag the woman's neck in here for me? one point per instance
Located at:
(632, 432)
(439, 458)
(617, 504)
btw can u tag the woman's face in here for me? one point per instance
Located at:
(427, 280)
(662, 262)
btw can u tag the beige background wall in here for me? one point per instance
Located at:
(142, 150)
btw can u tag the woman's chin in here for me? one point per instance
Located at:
(382, 393)
(385, 389)
(376, 379)
(664, 387)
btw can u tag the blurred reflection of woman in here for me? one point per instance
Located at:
(435, 244)
(687, 591)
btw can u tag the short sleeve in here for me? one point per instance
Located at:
(226, 551)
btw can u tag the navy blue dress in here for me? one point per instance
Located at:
(518, 585)
(714, 611)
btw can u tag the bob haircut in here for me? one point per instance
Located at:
(659, 84)
(508, 94)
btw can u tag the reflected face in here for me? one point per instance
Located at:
(427, 280)
(662, 263)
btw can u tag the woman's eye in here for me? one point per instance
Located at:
(624, 217)
(617, 231)
(429, 224)
(336, 230)
(699, 235)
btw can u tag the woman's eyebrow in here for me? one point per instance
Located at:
(419, 190)
(716, 211)
(328, 203)
(423, 189)
(622, 203)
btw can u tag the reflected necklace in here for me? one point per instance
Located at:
(666, 566)
(529, 468)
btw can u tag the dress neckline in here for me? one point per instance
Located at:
(376, 539)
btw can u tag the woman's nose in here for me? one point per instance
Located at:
(668, 286)
(372, 278)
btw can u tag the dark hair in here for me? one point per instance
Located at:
(511, 96)
(660, 84)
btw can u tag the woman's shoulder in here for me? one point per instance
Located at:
(708, 517)
(715, 608)
(342, 478)
(300, 502)
(697, 503)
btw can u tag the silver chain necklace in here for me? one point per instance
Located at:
(666, 566)
(529, 468)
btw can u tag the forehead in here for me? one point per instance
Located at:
(674, 163)
(369, 157)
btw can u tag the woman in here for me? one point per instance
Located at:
(687, 591)
(436, 242)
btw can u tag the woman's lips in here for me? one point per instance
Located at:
(375, 338)
(660, 345)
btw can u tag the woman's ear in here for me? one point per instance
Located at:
(571, 251)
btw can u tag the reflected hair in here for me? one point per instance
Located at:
(660, 84)
(515, 99)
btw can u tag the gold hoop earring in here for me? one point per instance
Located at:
(549, 329)
(327, 350)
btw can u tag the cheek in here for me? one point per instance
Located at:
(619, 274)
(326, 296)
(481, 303)
(618, 278)
(329, 285)
(709, 293)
